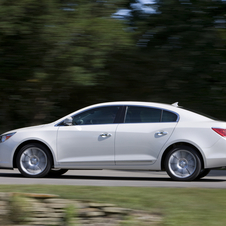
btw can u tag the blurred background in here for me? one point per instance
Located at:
(57, 56)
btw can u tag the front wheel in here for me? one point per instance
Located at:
(34, 160)
(183, 163)
(57, 172)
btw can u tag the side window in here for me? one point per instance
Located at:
(168, 116)
(142, 115)
(101, 115)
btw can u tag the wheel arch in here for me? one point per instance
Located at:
(29, 142)
(177, 145)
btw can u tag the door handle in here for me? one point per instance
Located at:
(161, 133)
(105, 135)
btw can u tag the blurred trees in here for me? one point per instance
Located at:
(180, 56)
(57, 56)
(50, 54)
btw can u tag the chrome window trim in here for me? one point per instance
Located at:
(162, 109)
(124, 117)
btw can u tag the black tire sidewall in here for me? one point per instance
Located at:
(203, 173)
(197, 171)
(57, 173)
(44, 149)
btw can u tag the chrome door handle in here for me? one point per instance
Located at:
(105, 135)
(162, 133)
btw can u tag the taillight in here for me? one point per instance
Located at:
(222, 132)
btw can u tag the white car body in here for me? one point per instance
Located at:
(120, 145)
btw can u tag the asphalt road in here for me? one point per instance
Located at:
(215, 179)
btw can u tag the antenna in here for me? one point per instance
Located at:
(175, 104)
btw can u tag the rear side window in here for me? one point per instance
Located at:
(142, 114)
(168, 116)
(148, 115)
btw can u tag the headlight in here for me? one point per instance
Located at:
(5, 137)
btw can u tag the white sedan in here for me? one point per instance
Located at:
(119, 135)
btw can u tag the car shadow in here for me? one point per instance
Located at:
(89, 177)
(110, 178)
(17, 175)
(121, 178)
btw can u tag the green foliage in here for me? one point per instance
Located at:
(19, 210)
(180, 56)
(70, 215)
(48, 49)
(56, 57)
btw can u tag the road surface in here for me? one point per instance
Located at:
(215, 179)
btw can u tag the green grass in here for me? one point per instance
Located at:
(179, 206)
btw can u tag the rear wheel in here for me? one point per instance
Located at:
(203, 173)
(183, 163)
(34, 160)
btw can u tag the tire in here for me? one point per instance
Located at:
(57, 172)
(34, 160)
(183, 163)
(203, 173)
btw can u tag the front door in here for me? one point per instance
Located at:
(90, 140)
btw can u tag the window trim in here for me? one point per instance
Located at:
(121, 114)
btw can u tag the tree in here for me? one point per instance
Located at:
(50, 52)
(180, 56)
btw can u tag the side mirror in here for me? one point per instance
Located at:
(68, 121)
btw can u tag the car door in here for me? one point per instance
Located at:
(89, 141)
(142, 135)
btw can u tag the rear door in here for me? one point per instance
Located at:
(142, 135)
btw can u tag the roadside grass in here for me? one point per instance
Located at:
(178, 206)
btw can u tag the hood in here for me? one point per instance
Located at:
(27, 128)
